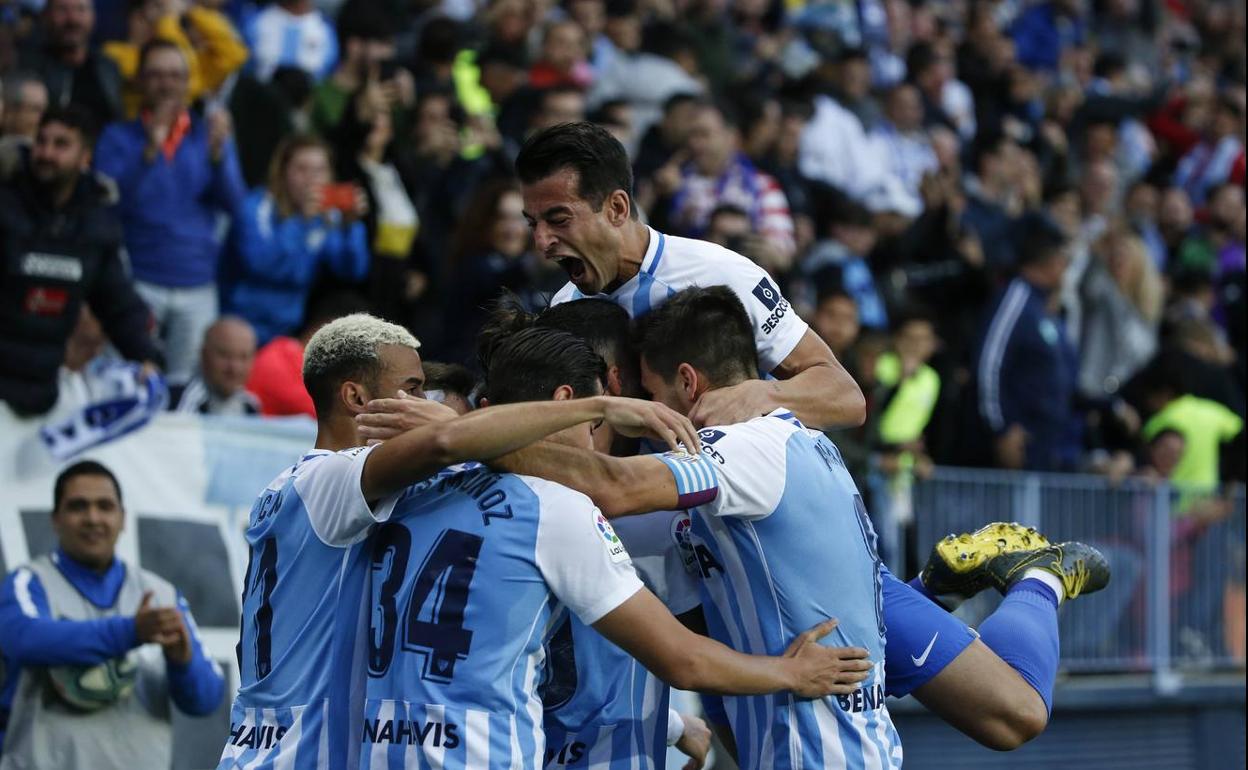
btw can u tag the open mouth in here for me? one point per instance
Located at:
(574, 267)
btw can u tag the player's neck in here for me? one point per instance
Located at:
(632, 253)
(337, 434)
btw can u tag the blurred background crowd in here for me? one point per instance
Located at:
(1020, 223)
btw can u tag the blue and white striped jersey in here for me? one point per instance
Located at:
(469, 578)
(672, 264)
(300, 701)
(604, 710)
(786, 545)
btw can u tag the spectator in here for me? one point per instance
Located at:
(492, 253)
(904, 143)
(61, 250)
(366, 39)
(62, 56)
(719, 173)
(291, 33)
(908, 390)
(176, 173)
(1122, 303)
(364, 158)
(1027, 368)
(450, 384)
(562, 59)
(277, 375)
(836, 321)
(264, 114)
(993, 200)
(225, 361)
(647, 79)
(840, 259)
(1046, 30)
(25, 101)
(1218, 157)
(78, 621)
(211, 46)
(1206, 426)
(287, 234)
(1217, 248)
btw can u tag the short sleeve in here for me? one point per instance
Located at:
(777, 327)
(749, 461)
(581, 558)
(331, 494)
(1229, 424)
(663, 556)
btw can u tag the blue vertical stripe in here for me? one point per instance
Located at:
(658, 255)
(641, 297)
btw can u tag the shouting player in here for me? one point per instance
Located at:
(576, 184)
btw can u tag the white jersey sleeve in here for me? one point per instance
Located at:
(661, 551)
(750, 463)
(581, 558)
(777, 327)
(331, 495)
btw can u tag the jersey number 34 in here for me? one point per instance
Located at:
(432, 622)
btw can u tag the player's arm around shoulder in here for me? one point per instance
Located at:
(620, 486)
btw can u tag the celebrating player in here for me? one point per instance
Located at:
(470, 576)
(575, 182)
(303, 616)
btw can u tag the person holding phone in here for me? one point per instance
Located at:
(289, 233)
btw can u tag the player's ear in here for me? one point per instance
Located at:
(618, 206)
(354, 396)
(615, 385)
(688, 381)
(563, 393)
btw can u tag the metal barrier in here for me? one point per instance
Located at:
(1175, 602)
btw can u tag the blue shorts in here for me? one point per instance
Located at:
(922, 638)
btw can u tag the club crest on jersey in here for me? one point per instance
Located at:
(767, 294)
(614, 546)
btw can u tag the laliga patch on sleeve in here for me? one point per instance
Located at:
(614, 547)
(767, 294)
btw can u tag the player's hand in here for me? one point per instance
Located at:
(738, 403)
(635, 418)
(826, 670)
(152, 623)
(388, 417)
(695, 743)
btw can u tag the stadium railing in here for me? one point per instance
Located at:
(1175, 603)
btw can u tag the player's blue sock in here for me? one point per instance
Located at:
(1023, 633)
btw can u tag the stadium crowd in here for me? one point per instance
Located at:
(908, 172)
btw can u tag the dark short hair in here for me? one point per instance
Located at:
(599, 160)
(530, 364)
(160, 44)
(705, 328)
(75, 117)
(1038, 239)
(604, 326)
(363, 20)
(80, 468)
(451, 378)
